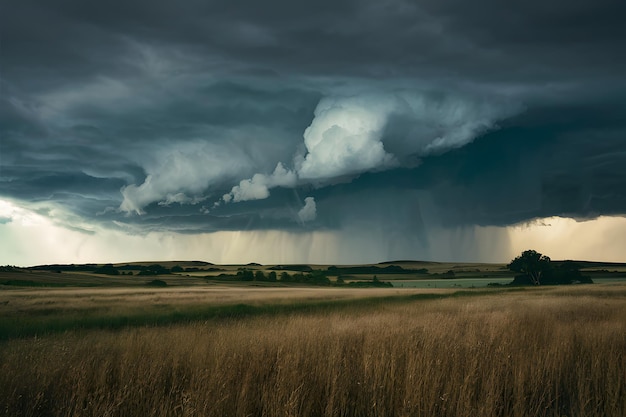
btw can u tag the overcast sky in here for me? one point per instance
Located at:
(329, 131)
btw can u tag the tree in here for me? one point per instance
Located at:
(245, 275)
(532, 264)
(259, 276)
(567, 272)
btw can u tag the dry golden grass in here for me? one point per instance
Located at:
(556, 352)
(60, 300)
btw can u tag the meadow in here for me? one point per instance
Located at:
(554, 351)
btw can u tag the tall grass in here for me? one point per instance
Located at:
(512, 354)
(38, 313)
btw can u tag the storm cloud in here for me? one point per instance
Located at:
(202, 117)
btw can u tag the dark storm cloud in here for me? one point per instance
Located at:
(565, 161)
(495, 113)
(485, 39)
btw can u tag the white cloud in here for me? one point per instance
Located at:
(376, 131)
(367, 132)
(189, 169)
(345, 138)
(257, 187)
(180, 198)
(250, 189)
(10, 212)
(308, 213)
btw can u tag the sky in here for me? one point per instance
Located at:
(330, 132)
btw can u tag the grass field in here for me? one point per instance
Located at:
(35, 311)
(555, 351)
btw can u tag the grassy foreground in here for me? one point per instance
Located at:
(547, 352)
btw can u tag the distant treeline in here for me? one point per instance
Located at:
(154, 269)
(300, 268)
(315, 277)
(352, 270)
(360, 270)
(64, 268)
(110, 269)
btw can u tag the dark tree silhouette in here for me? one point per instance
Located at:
(567, 272)
(245, 275)
(107, 269)
(532, 264)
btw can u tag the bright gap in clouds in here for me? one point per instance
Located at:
(601, 239)
(27, 238)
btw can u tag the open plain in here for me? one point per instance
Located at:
(243, 350)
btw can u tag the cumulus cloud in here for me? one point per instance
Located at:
(308, 213)
(180, 198)
(188, 169)
(378, 131)
(345, 138)
(257, 187)
(353, 134)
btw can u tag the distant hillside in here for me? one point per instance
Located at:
(187, 273)
(407, 262)
(167, 264)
